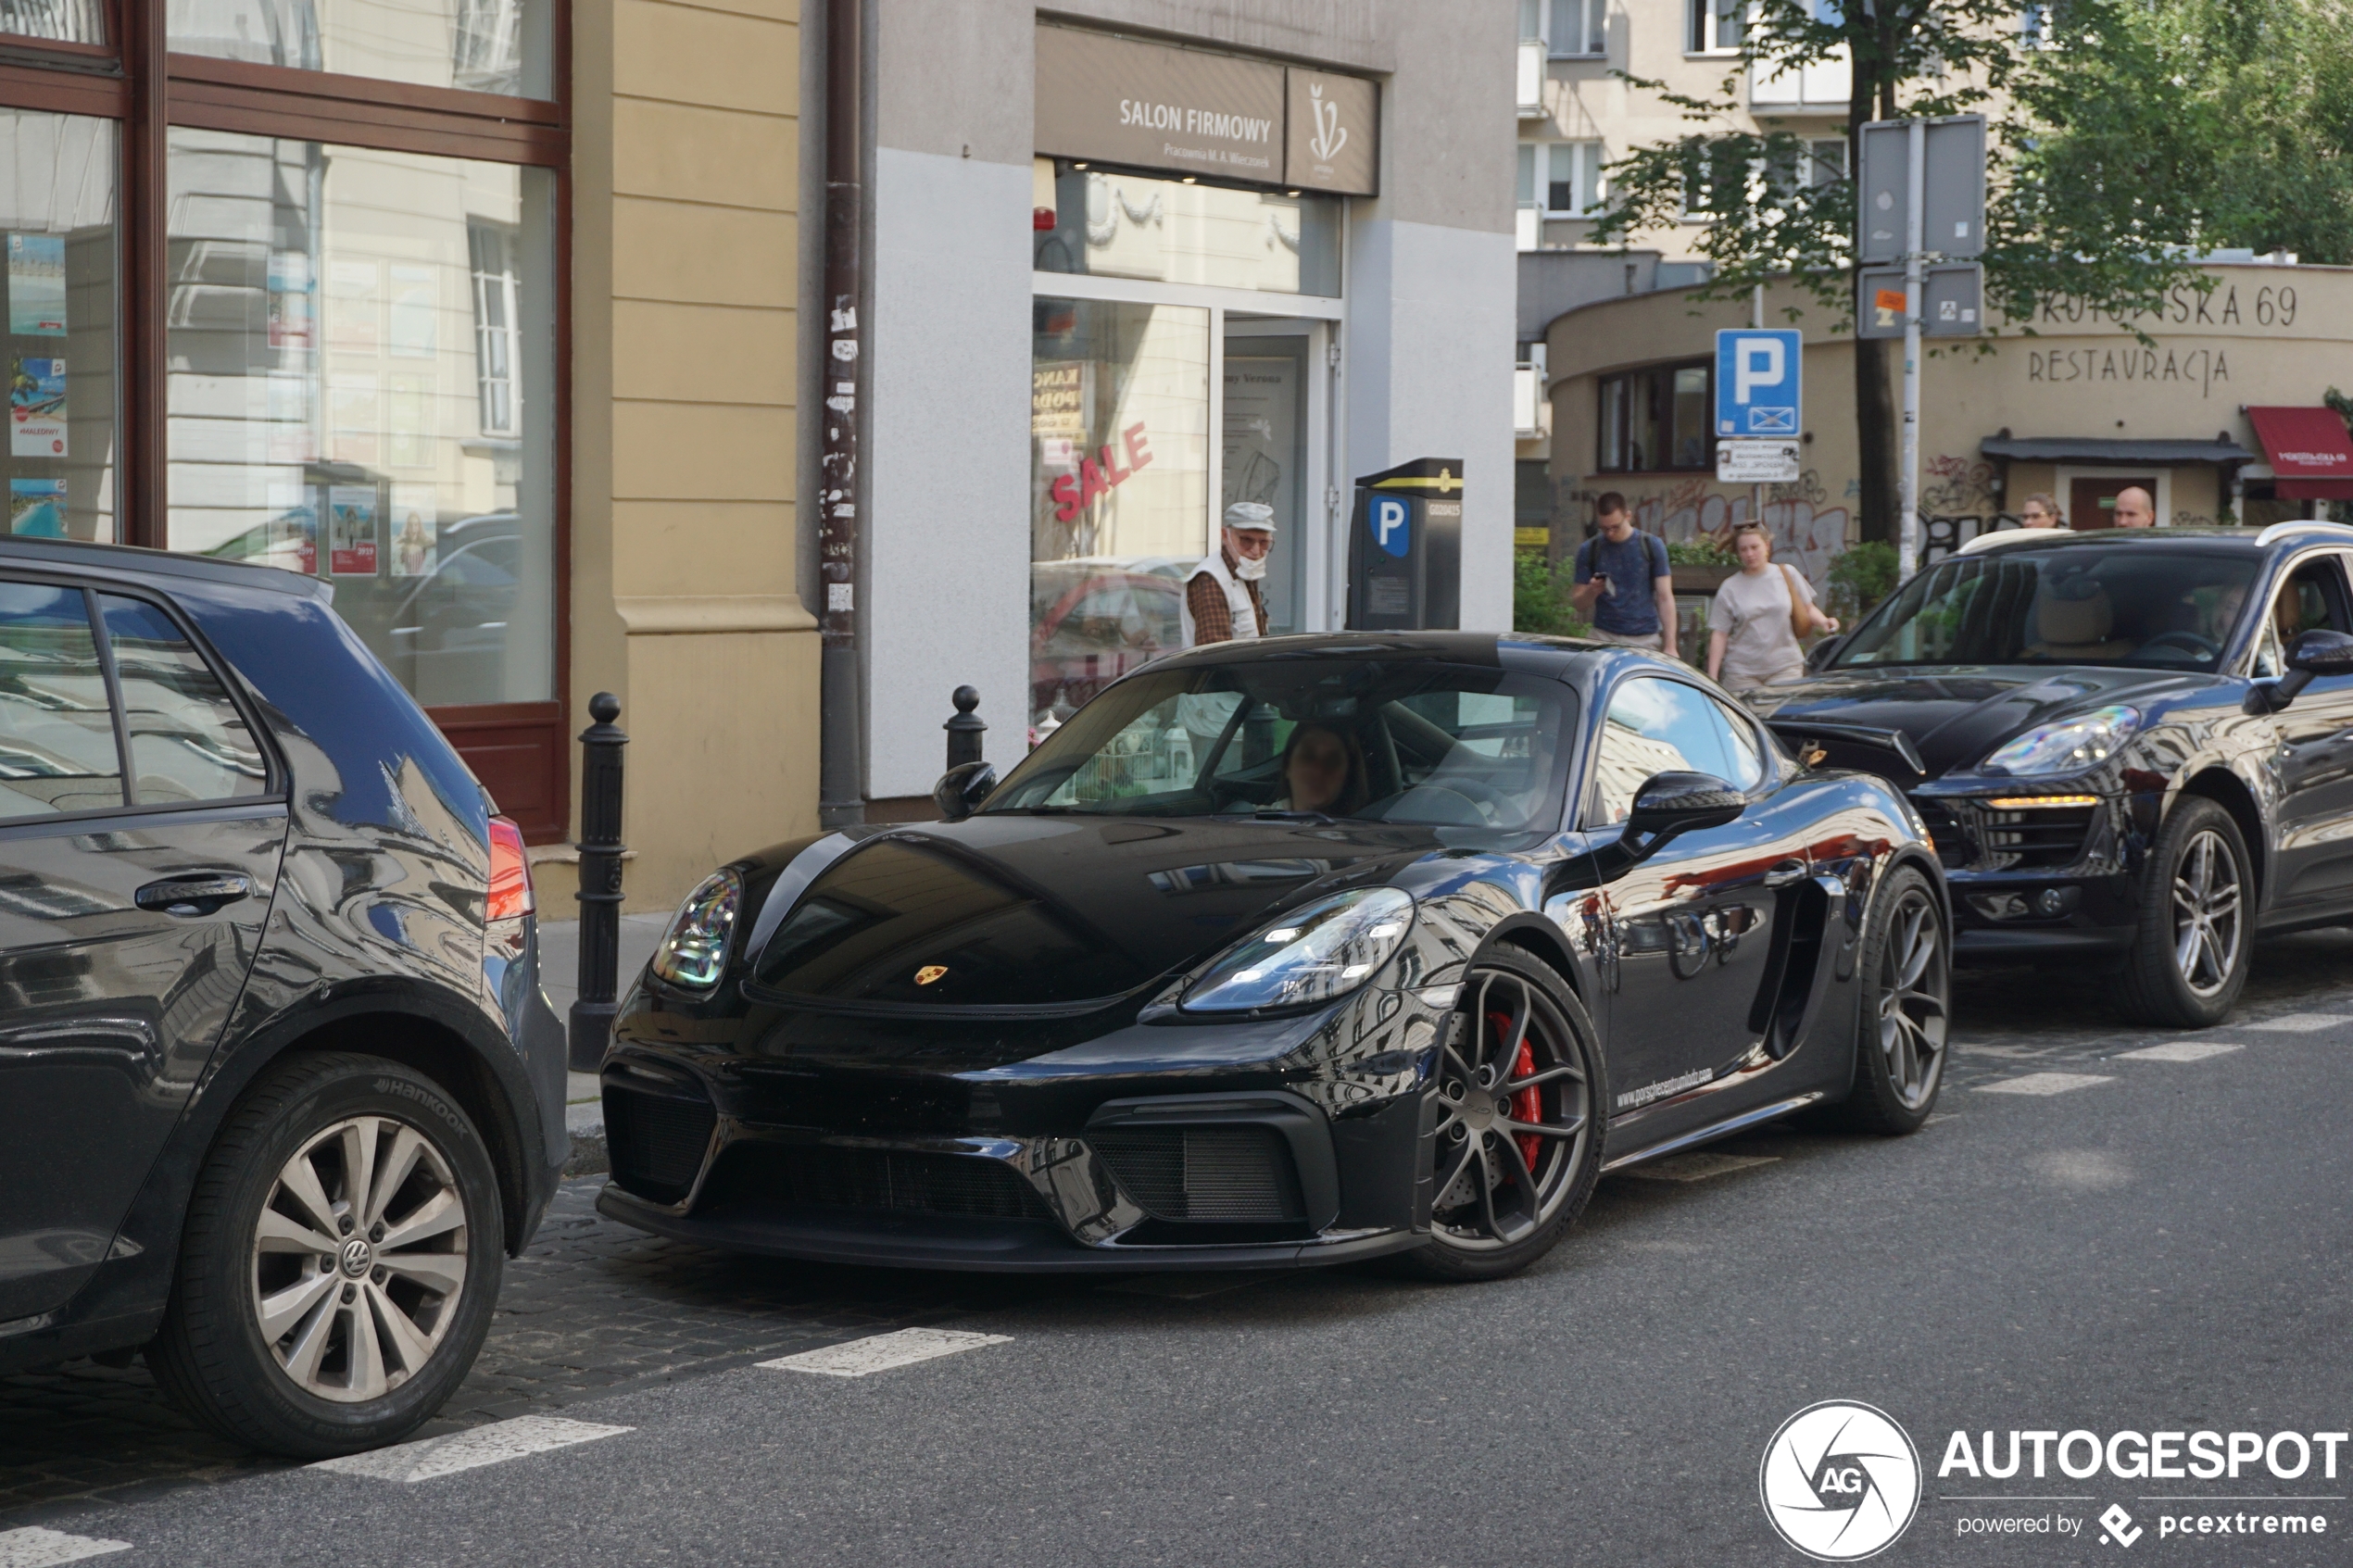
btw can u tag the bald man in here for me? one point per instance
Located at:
(2135, 508)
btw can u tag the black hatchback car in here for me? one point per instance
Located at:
(1286, 953)
(2135, 749)
(278, 1088)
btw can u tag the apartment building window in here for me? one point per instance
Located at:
(1816, 162)
(1570, 29)
(1714, 27)
(1566, 177)
(1655, 420)
(2035, 28)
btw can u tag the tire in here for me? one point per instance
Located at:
(1903, 1009)
(2199, 862)
(1514, 1009)
(336, 1285)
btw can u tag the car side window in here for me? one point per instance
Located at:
(57, 751)
(1655, 725)
(1745, 756)
(187, 741)
(2313, 598)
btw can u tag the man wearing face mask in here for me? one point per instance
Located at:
(1222, 598)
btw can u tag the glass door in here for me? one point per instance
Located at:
(1272, 416)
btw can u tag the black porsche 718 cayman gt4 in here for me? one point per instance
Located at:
(1294, 951)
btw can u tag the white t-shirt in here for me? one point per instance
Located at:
(1753, 613)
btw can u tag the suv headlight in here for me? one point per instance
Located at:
(1310, 955)
(692, 954)
(2066, 747)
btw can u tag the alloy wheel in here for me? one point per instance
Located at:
(2206, 917)
(359, 1258)
(1912, 1011)
(1514, 1116)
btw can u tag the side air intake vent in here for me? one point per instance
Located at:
(657, 1141)
(1229, 1175)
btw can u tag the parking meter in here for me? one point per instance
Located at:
(1405, 548)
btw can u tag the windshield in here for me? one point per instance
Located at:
(1361, 739)
(2135, 604)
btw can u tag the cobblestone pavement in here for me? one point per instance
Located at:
(594, 1307)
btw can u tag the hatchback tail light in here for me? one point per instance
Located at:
(510, 872)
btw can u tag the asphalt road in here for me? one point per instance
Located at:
(2159, 1245)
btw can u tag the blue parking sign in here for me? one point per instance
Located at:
(1757, 387)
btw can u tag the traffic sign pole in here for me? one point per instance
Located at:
(1914, 220)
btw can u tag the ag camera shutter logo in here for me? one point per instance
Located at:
(1841, 1481)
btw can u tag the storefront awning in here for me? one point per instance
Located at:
(2310, 451)
(2118, 454)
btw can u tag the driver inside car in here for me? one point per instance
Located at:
(1323, 770)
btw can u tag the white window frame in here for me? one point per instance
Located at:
(1701, 27)
(1594, 46)
(1537, 164)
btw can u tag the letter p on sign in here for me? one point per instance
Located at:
(1758, 374)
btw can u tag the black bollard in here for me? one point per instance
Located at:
(965, 729)
(600, 850)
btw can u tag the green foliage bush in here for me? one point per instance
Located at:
(1861, 576)
(1540, 597)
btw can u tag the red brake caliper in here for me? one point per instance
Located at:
(1529, 1104)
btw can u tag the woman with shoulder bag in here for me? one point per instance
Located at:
(1759, 614)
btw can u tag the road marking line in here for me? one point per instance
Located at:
(2043, 1084)
(882, 1352)
(1697, 1167)
(495, 1444)
(2178, 1050)
(33, 1547)
(2300, 1022)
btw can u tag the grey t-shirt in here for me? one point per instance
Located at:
(1753, 613)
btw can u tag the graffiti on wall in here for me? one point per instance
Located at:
(1808, 534)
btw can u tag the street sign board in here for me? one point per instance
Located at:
(1951, 300)
(1756, 462)
(1758, 390)
(1953, 210)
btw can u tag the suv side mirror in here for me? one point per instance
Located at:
(2316, 652)
(1667, 806)
(961, 789)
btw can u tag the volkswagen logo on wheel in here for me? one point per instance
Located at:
(1840, 1481)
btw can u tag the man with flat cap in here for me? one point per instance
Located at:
(1222, 598)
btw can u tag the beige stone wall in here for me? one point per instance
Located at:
(685, 602)
(2264, 335)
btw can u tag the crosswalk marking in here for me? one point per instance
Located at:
(2178, 1050)
(501, 1440)
(2300, 1022)
(33, 1547)
(2043, 1084)
(883, 1351)
(1697, 1167)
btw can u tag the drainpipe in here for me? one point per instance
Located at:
(841, 726)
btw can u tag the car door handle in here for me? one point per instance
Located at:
(194, 895)
(1785, 873)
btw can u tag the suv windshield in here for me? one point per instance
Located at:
(2136, 604)
(1365, 739)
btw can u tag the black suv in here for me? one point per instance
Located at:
(2134, 751)
(278, 1088)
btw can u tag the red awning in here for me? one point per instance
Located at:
(2310, 451)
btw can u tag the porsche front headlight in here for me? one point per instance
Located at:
(2066, 747)
(1311, 955)
(692, 954)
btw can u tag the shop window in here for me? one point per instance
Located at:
(57, 21)
(362, 365)
(1111, 224)
(57, 210)
(482, 45)
(1655, 420)
(1119, 490)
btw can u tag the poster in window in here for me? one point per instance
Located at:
(37, 409)
(415, 516)
(351, 530)
(410, 445)
(352, 305)
(294, 527)
(37, 285)
(416, 307)
(293, 296)
(1061, 392)
(353, 416)
(37, 508)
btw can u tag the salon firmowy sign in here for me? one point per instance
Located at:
(1151, 105)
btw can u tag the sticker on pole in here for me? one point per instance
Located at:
(1757, 390)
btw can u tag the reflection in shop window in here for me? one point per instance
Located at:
(57, 217)
(479, 45)
(1121, 225)
(59, 21)
(329, 408)
(494, 262)
(1119, 490)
